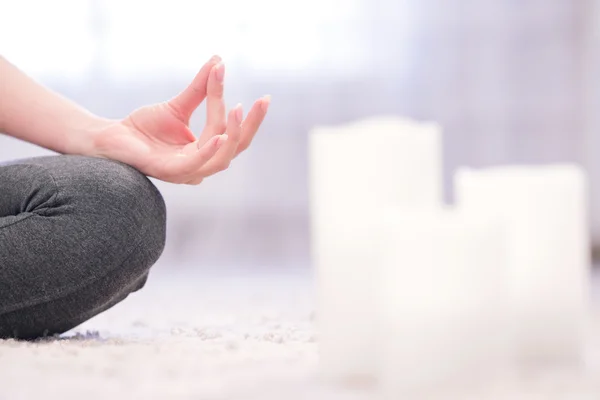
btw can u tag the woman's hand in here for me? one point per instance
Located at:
(157, 140)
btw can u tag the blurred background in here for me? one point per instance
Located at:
(510, 82)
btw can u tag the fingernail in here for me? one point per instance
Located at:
(215, 59)
(220, 71)
(265, 102)
(222, 139)
(239, 114)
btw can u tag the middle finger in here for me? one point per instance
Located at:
(223, 157)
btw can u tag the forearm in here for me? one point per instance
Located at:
(34, 113)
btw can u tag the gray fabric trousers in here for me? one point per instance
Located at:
(77, 236)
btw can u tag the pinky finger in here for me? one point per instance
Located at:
(188, 164)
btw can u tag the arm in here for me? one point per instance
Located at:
(34, 113)
(155, 139)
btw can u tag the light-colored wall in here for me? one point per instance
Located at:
(590, 84)
(504, 78)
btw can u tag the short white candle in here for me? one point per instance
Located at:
(545, 210)
(443, 302)
(354, 171)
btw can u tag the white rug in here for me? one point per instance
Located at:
(218, 337)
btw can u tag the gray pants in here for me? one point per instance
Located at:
(77, 235)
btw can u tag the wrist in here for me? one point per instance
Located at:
(88, 141)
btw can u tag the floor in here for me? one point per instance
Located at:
(221, 336)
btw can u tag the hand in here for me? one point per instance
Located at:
(157, 140)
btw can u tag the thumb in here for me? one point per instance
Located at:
(192, 96)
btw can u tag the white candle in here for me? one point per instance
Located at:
(354, 171)
(545, 211)
(443, 302)
(374, 162)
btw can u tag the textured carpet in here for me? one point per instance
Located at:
(220, 337)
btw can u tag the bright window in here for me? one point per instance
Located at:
(130, 39)
(47, 37)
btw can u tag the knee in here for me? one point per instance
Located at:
(123, 204)
(138, 202)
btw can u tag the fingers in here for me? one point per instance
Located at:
(223, 157)
(216, 149)
(215, 105)
(189, 162)
(252, 123)
(240, 133)
(191, 97)
(195, 181)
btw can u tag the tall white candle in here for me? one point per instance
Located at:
(545, 211)
(443, 302)
(355, 170)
